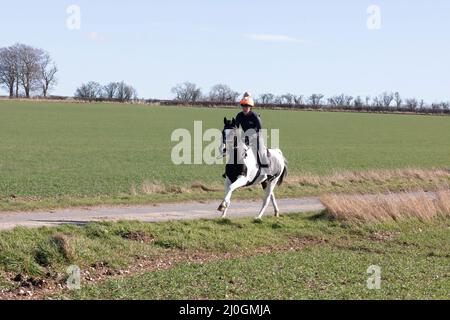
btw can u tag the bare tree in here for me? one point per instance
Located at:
(358, 102)
(337, 101)
(287, 98)
(398, 100)
(47, 76)
(277, 100)
(110, 90)
(29, 60)
(412, 103)
(8, 69)
(316, 99)
(299, 99)
(91, 90)
(421, 104)
(341, 100)
(386, 98)
(377, 102)
(125, 92)
(348, 101)
(187, 92)
(222, 93)
(266, 98)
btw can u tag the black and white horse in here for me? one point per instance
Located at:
(242, 168)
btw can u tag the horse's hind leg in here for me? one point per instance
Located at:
(275, 205)
(269, 191)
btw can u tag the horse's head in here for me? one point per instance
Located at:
(230, 136)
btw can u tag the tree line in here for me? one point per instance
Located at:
(25, 70)
(113, 91)
(188, 92)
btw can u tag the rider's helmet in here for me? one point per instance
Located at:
(247, 100)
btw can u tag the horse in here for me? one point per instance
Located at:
(242, 169)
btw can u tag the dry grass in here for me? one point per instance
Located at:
(388, 207)
(152, 187)
(159, 188)
(438, 177)
(204, 187)
(409, 179)
(62, 242)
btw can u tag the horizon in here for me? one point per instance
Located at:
(301, 48)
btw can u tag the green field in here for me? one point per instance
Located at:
(50, 151)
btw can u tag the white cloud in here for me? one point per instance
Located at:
(95, 36)
(272, 37)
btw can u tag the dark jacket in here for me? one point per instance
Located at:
(248, 121)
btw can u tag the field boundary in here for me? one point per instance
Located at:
(425, 111)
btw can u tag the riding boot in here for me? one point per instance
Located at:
(263, 154)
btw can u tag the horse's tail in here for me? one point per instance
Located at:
(284, 174)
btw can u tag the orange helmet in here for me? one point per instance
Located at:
(247, 100)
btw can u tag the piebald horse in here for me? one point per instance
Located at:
(242, 168)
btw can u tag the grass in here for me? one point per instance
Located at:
(414, 266)
(316, 273)
(294, 257)
(64, 154)
(104, 242)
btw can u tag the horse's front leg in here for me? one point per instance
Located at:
(269, 196)
(229, 188)
(225, 205)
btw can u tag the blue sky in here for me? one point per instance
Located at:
(280, 46)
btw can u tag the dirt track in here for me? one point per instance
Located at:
(152, 213)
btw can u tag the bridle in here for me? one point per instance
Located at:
(235, 144)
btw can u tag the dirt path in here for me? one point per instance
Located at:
(152, 213)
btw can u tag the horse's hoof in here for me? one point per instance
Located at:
(222, 207)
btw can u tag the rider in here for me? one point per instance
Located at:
(247, 119)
